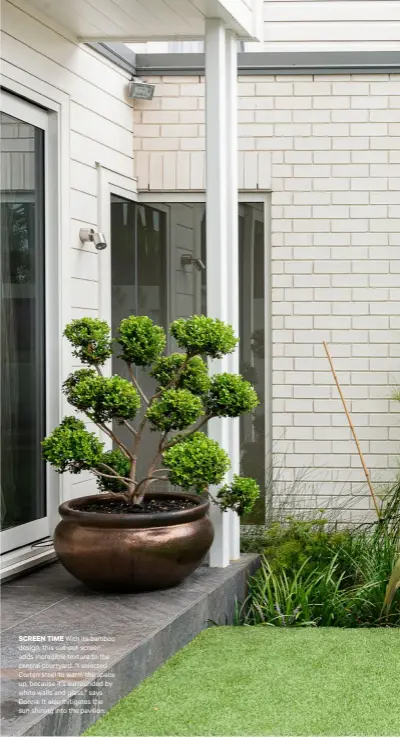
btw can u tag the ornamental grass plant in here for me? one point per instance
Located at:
(314, 574)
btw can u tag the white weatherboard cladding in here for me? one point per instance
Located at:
(38, 59)
(323, 25)
(329, 149)
(316, 25)
(135, 20)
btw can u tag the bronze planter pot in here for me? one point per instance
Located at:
(132, 552)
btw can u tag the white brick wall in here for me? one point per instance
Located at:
(330, 151)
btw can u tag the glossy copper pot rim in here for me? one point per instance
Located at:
(154, 519)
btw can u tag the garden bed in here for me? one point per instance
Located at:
(269, 681)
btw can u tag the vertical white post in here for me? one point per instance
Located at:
(217, 238)
(232, 212)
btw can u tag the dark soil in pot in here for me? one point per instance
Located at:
(114, 506)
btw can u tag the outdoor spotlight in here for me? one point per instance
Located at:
(140, 90)
(88, 235)
(187, 260)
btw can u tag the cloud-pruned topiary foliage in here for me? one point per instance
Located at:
(230, 396)
(90, 340)
(100, 397)
(193, 374)
(184, 400)
(200, 335)
(240, 495)
(141, 340)
(174, 410)
(196, 463)
(113, 460)
(71, 447)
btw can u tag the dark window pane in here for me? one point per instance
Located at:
(139, 287)
(22, 323)
(150, 278)
(252, 346)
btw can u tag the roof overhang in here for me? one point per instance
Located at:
(131, 21)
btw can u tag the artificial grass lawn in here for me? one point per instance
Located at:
(267, 681)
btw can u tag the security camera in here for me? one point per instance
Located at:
(88, 235)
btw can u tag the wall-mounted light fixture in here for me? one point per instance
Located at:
(140, 90)
(188, 260)
(88, 235)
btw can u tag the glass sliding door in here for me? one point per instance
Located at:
(22, 317)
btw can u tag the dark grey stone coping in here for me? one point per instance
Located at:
(148, 629)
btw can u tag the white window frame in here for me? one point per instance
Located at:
(29, 92)
(17, 537)
(109, 183)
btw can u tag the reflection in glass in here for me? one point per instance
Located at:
(22, 384)
(139, 286)
(148, 278)
(252, 345)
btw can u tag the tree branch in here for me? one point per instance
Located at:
(156, 395)
(119, 442)
(115, 495)
(184, 436)
(151, 480)
(136, 383)
(130, 428)
(124, 480)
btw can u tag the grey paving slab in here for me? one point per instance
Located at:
(146, 629)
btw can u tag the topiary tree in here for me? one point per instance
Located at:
(185, 399)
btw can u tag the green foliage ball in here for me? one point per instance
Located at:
(240, 495)
(204, 335)
(90, 339)
(193, 377)
(120, 464)
(230, 396)
(102, 398)
(141, 340)
(196, 463)
(71, 447)
(175, 410)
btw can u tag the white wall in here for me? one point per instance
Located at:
(314, 25)
(330, 148)
(169, 139)
(335, 25)
(92, 93)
